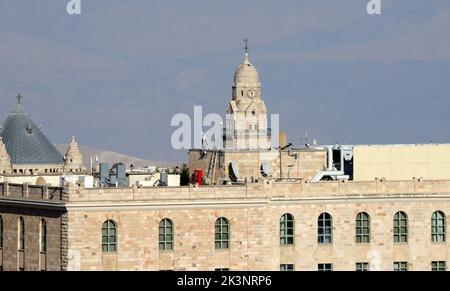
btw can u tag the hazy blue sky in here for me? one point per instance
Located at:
(115, 75)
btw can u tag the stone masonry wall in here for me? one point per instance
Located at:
(254, 212)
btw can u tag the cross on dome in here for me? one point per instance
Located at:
(246, 48)
(19, 98)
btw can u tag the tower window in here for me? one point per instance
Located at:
(29, 129)
(242, 93)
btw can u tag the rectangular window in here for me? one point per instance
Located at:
(361, 267)
(438, 266)
(1, 232)
(400, 266)
(43, 245)
(21, 245)
(221, 269)
(287, 267)
(325, 267)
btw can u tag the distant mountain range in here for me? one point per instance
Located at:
(111, 158)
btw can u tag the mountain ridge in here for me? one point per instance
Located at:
(111, 157)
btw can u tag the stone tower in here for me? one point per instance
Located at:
(73, 158)
(246, 122)
(5, 160)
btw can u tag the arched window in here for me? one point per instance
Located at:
(287, 229)
(166, 235)
(400, 227)
(362, 228)
(222, 233)
(438, 227)
(109, 236)
(21, 235)
(1, 232)
(325, 229)
(43, 236)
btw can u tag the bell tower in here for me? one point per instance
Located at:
(246, 122)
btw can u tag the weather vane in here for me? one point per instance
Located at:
(246, 48)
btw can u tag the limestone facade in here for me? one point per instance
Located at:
(254, 213)
(34, 205)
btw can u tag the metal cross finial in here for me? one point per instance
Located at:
(19, 97)
(246, 48)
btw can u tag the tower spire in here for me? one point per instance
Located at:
(246, 48)
(19, 103)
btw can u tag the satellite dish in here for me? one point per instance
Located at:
(233, 170)
(265, 169)
(282, 139)
(348, 156)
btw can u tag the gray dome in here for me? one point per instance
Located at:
(25, 142)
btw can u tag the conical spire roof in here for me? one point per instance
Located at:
(25, 142)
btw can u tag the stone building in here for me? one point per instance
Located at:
(275, 216)
(246, 121)
(32, 228)
(248, 141)
(28, 156)
(372, 225)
